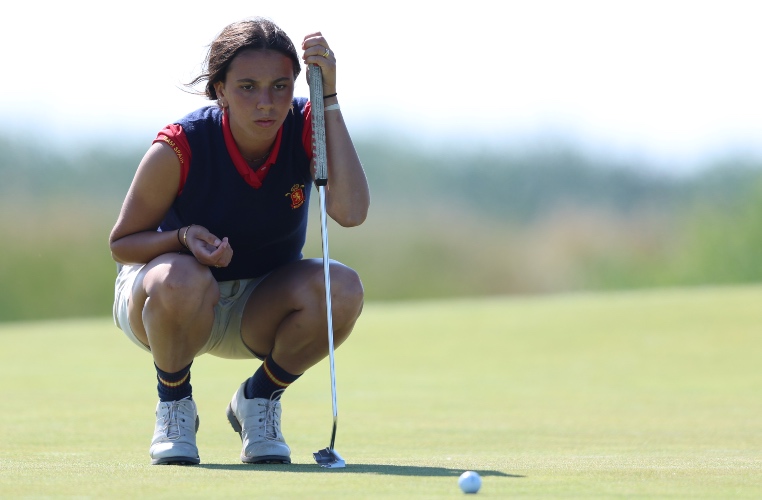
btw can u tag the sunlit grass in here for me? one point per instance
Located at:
(647, 394)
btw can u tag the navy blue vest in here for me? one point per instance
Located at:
(266, 227)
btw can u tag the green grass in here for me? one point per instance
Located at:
(632, 394)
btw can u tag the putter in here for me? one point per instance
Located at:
(327, 457)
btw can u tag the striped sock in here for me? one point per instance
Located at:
(269, 381)
(174, 386)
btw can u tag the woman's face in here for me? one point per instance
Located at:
(258, 90)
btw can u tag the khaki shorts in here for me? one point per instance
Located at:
(225, 339)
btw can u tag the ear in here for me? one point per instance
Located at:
(219, 89)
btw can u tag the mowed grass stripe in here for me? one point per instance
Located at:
(648, 394)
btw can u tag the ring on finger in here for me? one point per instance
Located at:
(327, 53)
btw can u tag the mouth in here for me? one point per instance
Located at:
(265, 122)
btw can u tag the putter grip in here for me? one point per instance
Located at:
(318, 125)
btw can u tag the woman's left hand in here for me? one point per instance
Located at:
(317, 51)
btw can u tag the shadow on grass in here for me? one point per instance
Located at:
(388, 470)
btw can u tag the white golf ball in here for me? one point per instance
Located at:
(470, 482)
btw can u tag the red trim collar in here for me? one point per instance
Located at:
(253, 178)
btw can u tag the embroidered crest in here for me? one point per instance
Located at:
(296, 195)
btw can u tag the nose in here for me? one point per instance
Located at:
(265, 100)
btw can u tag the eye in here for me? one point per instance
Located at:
(281, 86)
(247, 86)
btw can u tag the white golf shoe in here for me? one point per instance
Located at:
(174, 437)
(258, 423)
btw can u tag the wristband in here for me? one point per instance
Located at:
(332, 107)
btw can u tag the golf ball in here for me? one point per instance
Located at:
(470, 482)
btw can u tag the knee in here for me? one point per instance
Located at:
(347, 292)
(348, 284)
(185, 286)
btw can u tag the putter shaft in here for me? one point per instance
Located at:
(328, 457)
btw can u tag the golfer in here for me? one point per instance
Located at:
(209, 239)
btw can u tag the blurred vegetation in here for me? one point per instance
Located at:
(487, 221)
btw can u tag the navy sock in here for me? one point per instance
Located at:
(174, 386)
(269, 381)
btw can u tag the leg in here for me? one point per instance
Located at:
(286, 314)
(285, 319)
(171, 311)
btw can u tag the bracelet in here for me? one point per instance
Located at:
(185, 237)
(332, 107)
(178, 236)
(330, 95)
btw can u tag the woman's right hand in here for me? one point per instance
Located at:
(208, 249)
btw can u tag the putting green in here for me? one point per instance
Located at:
(650, 394)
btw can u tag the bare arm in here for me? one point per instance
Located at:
(348, 195)
(134, 238)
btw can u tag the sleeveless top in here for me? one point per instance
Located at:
(263, 214)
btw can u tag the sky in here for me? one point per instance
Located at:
(675, 82)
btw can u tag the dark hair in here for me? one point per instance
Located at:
(256, 33)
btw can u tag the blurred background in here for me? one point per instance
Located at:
(512, 147)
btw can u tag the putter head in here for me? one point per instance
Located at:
(329, 458)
